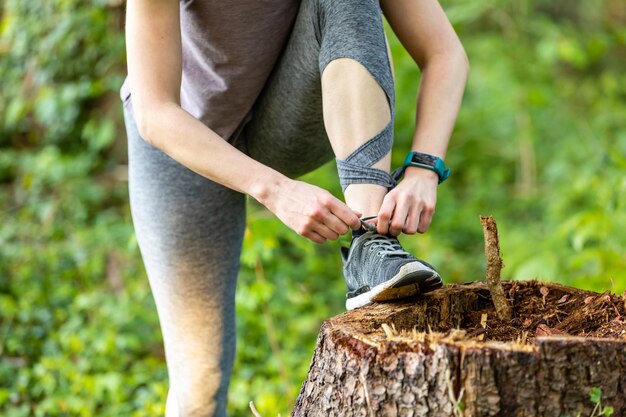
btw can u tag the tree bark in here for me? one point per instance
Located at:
(423, 357)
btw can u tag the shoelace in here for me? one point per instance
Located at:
(387, 245)
(368, 227)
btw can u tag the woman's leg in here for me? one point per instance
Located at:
(335, 71)
(331, 93)
(189, 231)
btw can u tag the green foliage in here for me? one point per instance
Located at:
(539, 144)
(595, 395)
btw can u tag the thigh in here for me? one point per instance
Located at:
(287, 131)
(189, 230)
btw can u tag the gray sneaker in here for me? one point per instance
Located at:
(376, 268)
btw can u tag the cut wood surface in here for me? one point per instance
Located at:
(427, 354)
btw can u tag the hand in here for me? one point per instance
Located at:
(410, 206)
(311, 211)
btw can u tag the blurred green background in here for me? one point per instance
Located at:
(540, 144)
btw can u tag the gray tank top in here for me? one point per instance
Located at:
(229, 50)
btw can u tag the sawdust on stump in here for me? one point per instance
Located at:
(537, 308)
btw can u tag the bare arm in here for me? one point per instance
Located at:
(154, 67)
(154, 53)
(424, 30)
(428, 36)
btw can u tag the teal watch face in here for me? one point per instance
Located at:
(431, 162)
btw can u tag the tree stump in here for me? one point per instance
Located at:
(446, 354)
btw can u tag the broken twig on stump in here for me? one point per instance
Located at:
(494, 266)
(253, 409)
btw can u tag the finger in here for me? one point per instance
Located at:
(426, 217)
(345, 214)
(412, 220)
(384, 214)
(335, 224)
(315, 237)
(399, 218)
(370, 222)
(326, 232)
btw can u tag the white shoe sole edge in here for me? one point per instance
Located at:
(385, 290)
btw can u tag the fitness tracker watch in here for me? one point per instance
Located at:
(426, 161)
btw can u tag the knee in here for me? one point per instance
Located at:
(351, 30)
(361, 6)
(358, 16)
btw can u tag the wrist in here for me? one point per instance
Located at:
(428, 162)
(422, 174)
(265, 188)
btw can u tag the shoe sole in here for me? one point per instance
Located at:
(413, 278)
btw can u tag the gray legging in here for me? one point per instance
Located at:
(190, 229)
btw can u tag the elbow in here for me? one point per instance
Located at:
(451, 60)
(457, 58)
(464, 62)
(146, 124)
(154, 121)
